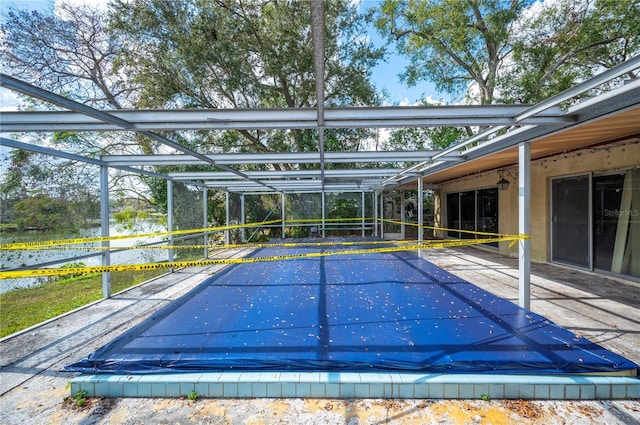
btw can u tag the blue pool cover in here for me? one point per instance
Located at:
(392, 312)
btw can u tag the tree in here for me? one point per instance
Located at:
(41, 192)
(424, 138)
(68, 53)
(449, 42)
(515, 51)
(243, 54)
(420, 139)
(560, 43)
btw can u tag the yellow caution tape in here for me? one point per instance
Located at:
(442, 229)
(208, 262)
(61, 244)
(303, 244)
(226, 246)
(57, 244)
(35, 245)
(219, 247)
(75, 241)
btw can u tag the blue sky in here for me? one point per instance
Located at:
(385, 75)
(41, 5)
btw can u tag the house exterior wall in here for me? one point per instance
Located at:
(619, 155)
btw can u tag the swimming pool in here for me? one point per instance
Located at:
(374, 312)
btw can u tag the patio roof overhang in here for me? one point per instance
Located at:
(607, 118)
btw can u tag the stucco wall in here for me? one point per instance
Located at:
(620, 155)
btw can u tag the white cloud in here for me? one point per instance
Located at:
(433, 101)
(375, 143)
(96, 4)
(99, 5)
(9, 100)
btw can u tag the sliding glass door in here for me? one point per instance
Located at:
(616, 222)
(596, 221)
(488, 211)
(393, 213)
(607, 191)
(570, 220)
(453, 214)
(473, 211)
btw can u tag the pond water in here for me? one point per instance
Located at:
(19, 258)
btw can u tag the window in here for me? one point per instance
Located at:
(474, 211)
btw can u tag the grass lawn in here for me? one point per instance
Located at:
(22, 308)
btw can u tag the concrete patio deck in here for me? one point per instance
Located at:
(603, 310)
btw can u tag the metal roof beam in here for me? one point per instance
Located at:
(353, 187)
(307, 191)
(285, 174)
(278, 183)
(593, 82)
(288, 182)
(73, 157)
(47, 96)
(279, 158)
(289, 118)
(295, 185)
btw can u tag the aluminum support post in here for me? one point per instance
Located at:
(227, 235)
(382, 215)
(323, 215)
(282, 208)
(242, 218)
(363, 214)
(375, 214)
(104, 229)
(420, 210)
(524, 224)
(205, 222)
(170, 218)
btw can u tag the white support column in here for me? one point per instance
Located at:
(227, 235)
(205, 222)
(363, 234)
(242, 218)
(382, 215)
(170, 218)
(323, 214)
(375, 214)
(524, 224)
(282, 208)
(420, 211)
(403, 213)
(104, 229)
